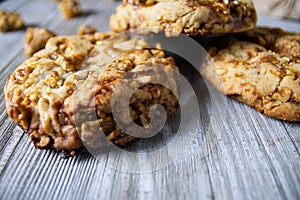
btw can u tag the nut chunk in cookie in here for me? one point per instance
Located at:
(261, 68)
(86, 29)
(10, 21)
(191, 17)
(62, 94)
(36, 39)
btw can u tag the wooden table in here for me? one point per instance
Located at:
(255, 158)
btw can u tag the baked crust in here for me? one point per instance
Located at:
(261, 68)
(191, 17)
(51, 94)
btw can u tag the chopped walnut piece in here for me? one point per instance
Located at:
(69, 8)
(10, 21)
(86, 29)
(36, 39)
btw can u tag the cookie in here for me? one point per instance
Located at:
(191, 17)
(36, 39)
(64, 91)
(10, 21)
(261, 68)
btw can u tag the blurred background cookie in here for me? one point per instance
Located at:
(260, 68)
(185, 16)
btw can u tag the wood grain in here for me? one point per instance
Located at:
(250, 157)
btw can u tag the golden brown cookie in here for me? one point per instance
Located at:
(66, 88)
(191, 17)
(261, 68)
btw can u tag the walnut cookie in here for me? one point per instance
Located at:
(261, 68)
(51, 94)
(191, 17)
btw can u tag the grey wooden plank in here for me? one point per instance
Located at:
(86, 178)
(255, 158)
(12, 43)
(8, 144)
(293, 130)
(288, 25)
(96, 14)
(185, 178)
(282, 156)
(12, 6)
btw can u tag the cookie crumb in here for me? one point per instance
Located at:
(67, 154)
(72, 153)
(69, 8)
(10, 21)
(36, 39)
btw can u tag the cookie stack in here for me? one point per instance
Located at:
(258, 66)
(51, 94)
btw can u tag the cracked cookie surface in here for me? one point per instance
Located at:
(261, 68)
(64, 90)
(191, 17)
